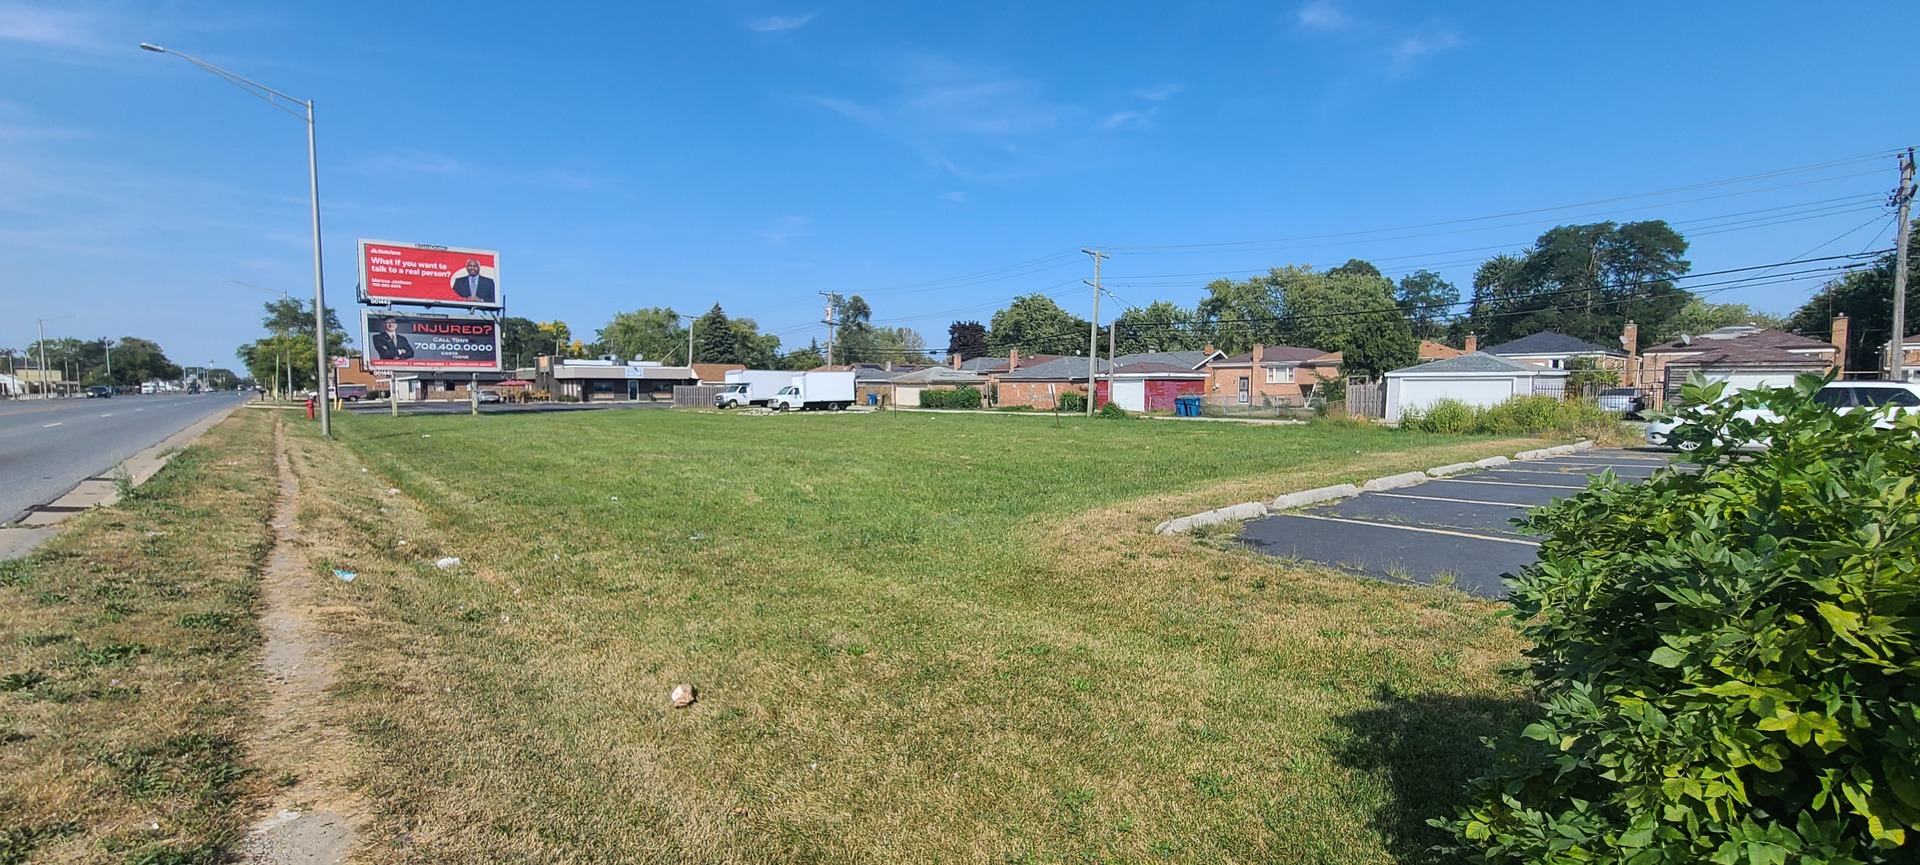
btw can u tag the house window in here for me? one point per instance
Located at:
(446, 386)
(1279, 375)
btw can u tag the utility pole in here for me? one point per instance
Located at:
(832, 298)
(1093, 331)
(1902, 198)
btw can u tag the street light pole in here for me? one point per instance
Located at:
(43, 352)
(320, 359)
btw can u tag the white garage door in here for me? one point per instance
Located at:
(1474, 390)
(1130, 395)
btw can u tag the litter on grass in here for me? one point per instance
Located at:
(445, 562)
(683, 696)
(345, 576)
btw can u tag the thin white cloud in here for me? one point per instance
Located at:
(409, 162)
(960, 197)
(40, 25)
(1322, 15)
(784, 229)
(1159, 92)
(777, 23)
(1412, 49)
(1119, 119)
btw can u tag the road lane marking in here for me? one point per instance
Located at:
(54, 424)
(1408, 528)
(1515, 483)
(1455, 501)
(110, 414)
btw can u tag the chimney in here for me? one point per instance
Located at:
(1473, 343)
(1013, 359)
(889, 363)
(1840, 339)
(955, 360)
(1259, 353)
(1209, 349)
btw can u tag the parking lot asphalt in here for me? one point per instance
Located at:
(1456, 531)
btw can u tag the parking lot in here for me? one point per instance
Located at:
(1455, 531)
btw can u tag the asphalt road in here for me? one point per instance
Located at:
(49, 446)
(1457, 531)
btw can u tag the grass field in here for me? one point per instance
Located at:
(125, 649)
(916, 637)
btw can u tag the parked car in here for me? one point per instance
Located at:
(489, 395)
(350, 392)
(1889, 399)
(1621, 401)
(99, 391)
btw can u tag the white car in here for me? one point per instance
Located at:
(1888, 398)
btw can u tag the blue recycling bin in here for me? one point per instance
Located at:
(873, 399)
(1186, 406)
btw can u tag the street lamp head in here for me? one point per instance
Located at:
(149, 46)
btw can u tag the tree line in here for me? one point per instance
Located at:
(124, 362)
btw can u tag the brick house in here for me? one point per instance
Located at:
(1040, 385)
(1742, 355)
(1268, 375)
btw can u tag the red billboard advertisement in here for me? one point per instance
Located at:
(426, 275)
(398, 342)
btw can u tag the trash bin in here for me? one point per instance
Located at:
(873, 399)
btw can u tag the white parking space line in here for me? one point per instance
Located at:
(54, 424)
(1456, 501)
(1406, 528)
(110, 414)
(1518, 483)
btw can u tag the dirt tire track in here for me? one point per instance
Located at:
(312, 817)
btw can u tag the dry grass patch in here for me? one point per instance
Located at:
(917, 638)
(125, 646)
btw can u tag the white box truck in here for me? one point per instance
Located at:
(815, 390)
(751, 387)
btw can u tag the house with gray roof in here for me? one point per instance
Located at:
(1555, 350)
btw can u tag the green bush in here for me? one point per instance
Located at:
(1072, 402)
(961, 398)
(1522, 414)
(1448, 416)
(1725, 657)
(1110, 411)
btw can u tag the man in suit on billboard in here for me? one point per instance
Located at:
(388, 344)
(473, 286)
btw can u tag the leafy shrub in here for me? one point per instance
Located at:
(1448, 416)
(1110, 411)
(960, 398)
(1522, 414)
(1726, 658)
(1072, 401)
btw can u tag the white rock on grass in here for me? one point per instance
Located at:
(445, 562)
(683, 695)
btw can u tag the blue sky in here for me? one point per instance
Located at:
(939, 159)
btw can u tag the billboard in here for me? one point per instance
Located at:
(398, 342)
(426, 275)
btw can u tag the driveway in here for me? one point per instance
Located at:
(1457, 531)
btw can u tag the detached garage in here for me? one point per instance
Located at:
(1152, 386)
(1477, 379)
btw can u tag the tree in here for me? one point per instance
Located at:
(290, 345)
(968, 339)
(1235, 315)
(653, 332)
(1427, 301)
(1357, 267)
(1586, 281)
(751, 347)
(1035, 324)
(1159, 326)
(519, 341)
(713, 338)
(1348, 312)
(1866, 297)
(556, 340)
(804, 359)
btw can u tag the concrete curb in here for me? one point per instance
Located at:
(1532, 455)
(38, 526)
(1233, 513)
(1290, 501)
(1453, 469)
(1492, 462)
(1394, 482)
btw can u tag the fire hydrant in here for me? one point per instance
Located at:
(309, 408)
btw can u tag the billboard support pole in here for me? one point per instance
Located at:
(473, 393)
(393, 393)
